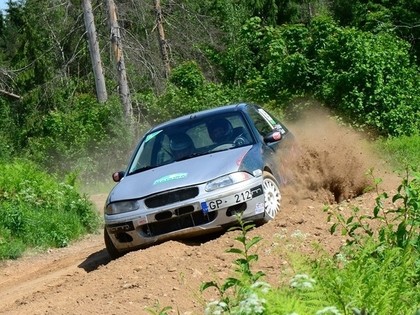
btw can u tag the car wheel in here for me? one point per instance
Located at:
(272, 196)
(110, 247)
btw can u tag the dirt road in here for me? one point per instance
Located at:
(81, 279)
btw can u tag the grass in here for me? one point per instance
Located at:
(402, 152)
(37, 211)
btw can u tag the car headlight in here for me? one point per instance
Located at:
(227, 180)
(122, 206)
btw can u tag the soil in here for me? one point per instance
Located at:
(328, 169)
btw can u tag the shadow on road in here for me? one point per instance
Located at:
(102, 258)
(93, 261)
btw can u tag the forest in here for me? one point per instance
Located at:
(358, 58)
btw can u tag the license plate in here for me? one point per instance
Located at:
(228, 201)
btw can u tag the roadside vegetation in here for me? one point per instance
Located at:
(377, 271)
(358, 58)
(38, 212)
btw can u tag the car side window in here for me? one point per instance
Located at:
(262, 125)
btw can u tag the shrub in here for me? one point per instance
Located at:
(37, 211)
(78, 138)
(371, 79)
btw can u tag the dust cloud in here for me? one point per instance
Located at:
(330, 161)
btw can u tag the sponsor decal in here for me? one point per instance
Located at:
(267, 117)
(259, 208)
(141, 221)
(257, 191)
(152, 135)
(120, 227)
(169, 178)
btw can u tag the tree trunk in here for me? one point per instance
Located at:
(101, 92)
(163, 45)
(117, 50)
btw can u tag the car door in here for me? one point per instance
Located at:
(266, 124)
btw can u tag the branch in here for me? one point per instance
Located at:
(9, 94)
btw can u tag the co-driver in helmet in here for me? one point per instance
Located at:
(181, 146)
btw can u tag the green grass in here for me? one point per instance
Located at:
(402, 152)
(37, 211)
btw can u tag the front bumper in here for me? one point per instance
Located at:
(207, 212)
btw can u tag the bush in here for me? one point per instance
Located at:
(78, 139)
(178, 101)
(37, 211)
(370, 78)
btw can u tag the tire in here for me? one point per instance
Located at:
(110, 247)
(272, 197)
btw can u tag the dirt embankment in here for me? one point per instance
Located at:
(81, 279)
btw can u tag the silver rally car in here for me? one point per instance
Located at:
(192, 175)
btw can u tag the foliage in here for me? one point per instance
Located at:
(370, 78)
(179, 101)
(37, 211)
(187, 76)
(382, 252)
(403, 152)
(158, 310)
(373, 281)
(8, 129)
(400, 17)
(78, 136)
(241, 294)
(398, 226)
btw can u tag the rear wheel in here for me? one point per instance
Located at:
(272, 196)
(110, 247)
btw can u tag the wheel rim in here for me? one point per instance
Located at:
(272, 197)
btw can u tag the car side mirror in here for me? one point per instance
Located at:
(117, 176)
(273, 136)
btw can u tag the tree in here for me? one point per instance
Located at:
(163, 44)
(117, 50)
(101, 92)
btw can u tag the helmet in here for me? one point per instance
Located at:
(180, 142)
(220, 129)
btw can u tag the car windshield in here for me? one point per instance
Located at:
(189, 139)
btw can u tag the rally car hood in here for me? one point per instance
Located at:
(188, 172)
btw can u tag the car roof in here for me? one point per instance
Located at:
(203, 114)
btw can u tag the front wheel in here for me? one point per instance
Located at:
(272, 196)
(110, 247)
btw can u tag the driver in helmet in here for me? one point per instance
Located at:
(181, 146)
(220, 130)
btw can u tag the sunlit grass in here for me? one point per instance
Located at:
(37, 211)
(402, 152)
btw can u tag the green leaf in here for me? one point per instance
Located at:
(230, 282)
(235, 251)
(209, 284)
(252, 242)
